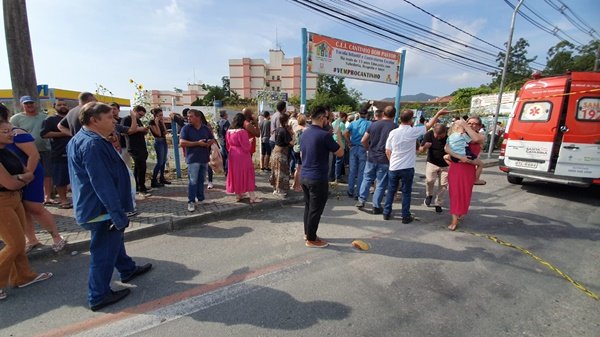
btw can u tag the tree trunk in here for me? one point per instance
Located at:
(20, 55)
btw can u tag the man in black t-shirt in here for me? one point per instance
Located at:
(136, 145)
(436, 167)
(58, 152)
(378, 164)
(223, 126)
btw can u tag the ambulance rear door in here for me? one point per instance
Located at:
(534, 125)
(579, 154)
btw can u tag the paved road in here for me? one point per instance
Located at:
(250, 275)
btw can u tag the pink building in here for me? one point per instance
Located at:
(165, 98)
(249, 76)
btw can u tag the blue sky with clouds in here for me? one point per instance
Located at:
(167, 43)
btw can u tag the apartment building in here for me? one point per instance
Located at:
(249, 76)
(167, 98)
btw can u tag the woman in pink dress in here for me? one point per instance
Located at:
(240, 176)
(461, 175)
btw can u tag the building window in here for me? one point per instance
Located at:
(278, 77)
(277, 88)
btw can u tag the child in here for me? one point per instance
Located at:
(459, 150)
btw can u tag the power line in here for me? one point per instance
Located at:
(451, 25)
(364, 24)
(581, 25)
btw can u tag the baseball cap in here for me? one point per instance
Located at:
(26, 99)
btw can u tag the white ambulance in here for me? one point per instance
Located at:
(553, 133)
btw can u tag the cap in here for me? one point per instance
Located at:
(26, 99)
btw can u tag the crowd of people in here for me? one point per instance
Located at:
(103, 158)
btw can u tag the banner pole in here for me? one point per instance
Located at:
(399, 89)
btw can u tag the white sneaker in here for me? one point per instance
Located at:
(191, 207)
(210, 186)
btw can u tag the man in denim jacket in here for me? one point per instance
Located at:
(101, 197)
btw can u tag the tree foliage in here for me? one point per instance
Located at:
(461, 98)
(332, 91)
(565, 57)
(518, 70)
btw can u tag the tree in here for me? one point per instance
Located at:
(518, 70)
(559, 59)
(18, 47)
(197, 102)
(215, 92)
(461, 98)
(226, 85)
(332, 91)
(565, 57)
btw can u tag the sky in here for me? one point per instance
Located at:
(163, 44)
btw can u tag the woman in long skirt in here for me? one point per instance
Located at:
(280, 169)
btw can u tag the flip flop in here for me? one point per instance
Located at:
(2, 294)
(29, 247)
(66, 206)
(255, 200)
(60, 245)
(41, 277)
(50, 202)
(480, 182)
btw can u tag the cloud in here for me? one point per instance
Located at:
(170, 19)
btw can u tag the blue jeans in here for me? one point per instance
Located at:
(107, 250)
(224, 154)
(292, 160)
(160, 146)
(394, 177)
(358, 159)
(196, 176)
(335, 171)
(374, 172)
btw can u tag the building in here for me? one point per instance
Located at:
(48, 96)
(165, 99)
(250, 76)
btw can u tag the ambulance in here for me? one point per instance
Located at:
(553, 132)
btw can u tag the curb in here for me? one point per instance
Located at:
(173, 224)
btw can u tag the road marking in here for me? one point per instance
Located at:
(153, 313)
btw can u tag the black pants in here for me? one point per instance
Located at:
(315, 198)
(139, 169)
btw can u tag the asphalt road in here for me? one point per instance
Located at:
(253, 276)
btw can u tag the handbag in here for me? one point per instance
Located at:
(215, 159)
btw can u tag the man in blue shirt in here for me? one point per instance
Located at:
(358, 154)
(197, 138)
(378, 164)
(101, 197)
(317, 143)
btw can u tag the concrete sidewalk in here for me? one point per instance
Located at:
(164, 211)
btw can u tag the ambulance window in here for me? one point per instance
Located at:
(536, 111)
(588, 109)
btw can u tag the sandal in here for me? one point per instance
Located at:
(60, 245)
(67, 205)
(30, 246)
(480, 182)
(50, 202)
(41, 277)
(2, 294)
(255, 200)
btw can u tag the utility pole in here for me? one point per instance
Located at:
(501, 89)
(20, 55)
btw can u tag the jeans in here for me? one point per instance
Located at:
(196, 175)
(374, 172)
(394, 177)
(139, 169)
(358, 159)
(292, 159)
(210, 174)
(225, 155)
(107, 250)
(315, 198)
(337, 164)
(160, 146)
